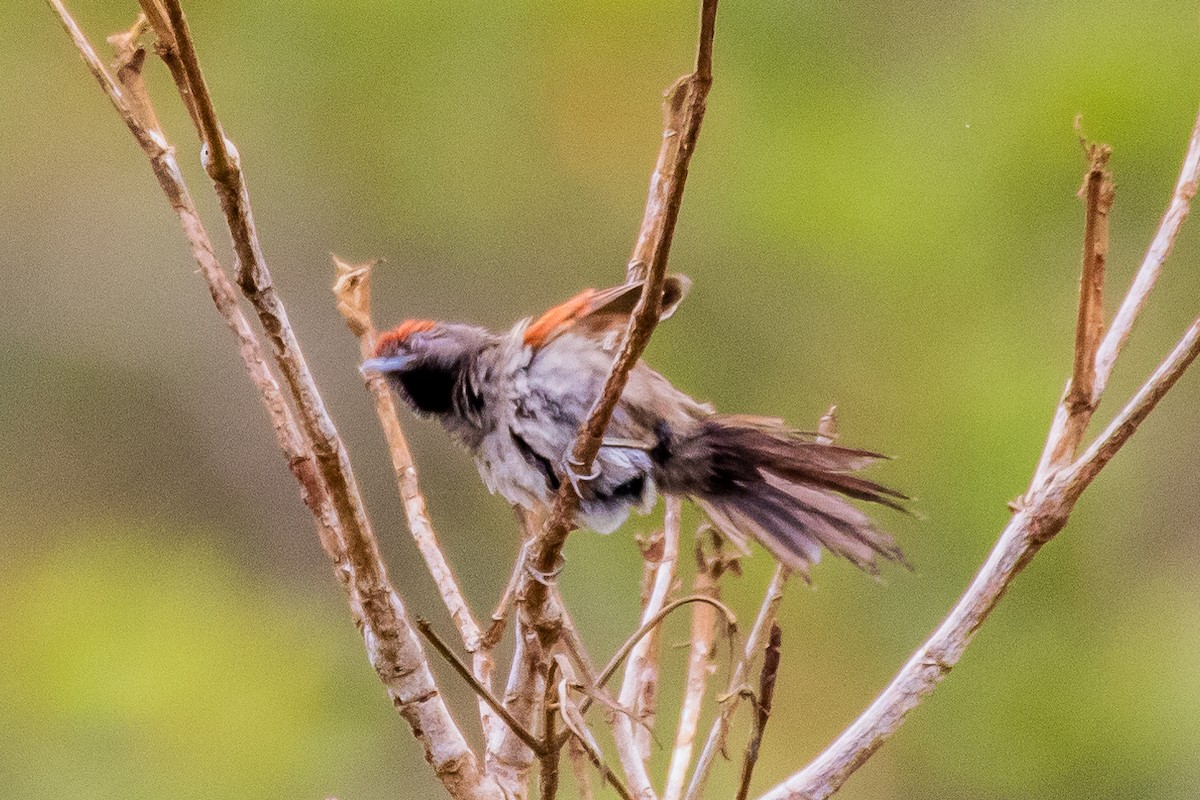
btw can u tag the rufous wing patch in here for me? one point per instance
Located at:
(557, 319)
(597, 312)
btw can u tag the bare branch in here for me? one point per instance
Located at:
(737, 682)
(572, 717)
(549, 759)
(1039, 515)
(575, 648)
(1097, 192)
(220, 162)
(353, 292)
(1042, 515)
(1152, 263)
(579, 767)
(1139, 291)
(135, 109)
(507, 758)
(391, 644)
(683, 111)
(709, 569)
(529, 522)
(1139, 407)
(640, 685)
(484, 693)
(652, 623)
(762, 708)
(1080, 398)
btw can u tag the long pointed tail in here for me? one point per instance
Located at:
(756, 478)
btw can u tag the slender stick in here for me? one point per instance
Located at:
(1098, 193)
(762, 708)
(484, 693)
(1152, 263)
(549, 758)
(650, 624)
(1039, 515)
(529, 522)
(683, 111)
(583, 777)
(1079, 399)
(640, 685)
(507, 758)
(1139, 292)
(353, 292)
(135, 109)
(391, 643)
(1139, 407)
(700, 666)
(577, 651)
(737, 682)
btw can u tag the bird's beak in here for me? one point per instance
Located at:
(385, 365)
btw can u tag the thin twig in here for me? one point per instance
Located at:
(1039, 515)
(391, 643)
(1080, 396)
(709, 569)
(683, 111)
(353, 292)
(1097, 193)
(640, 684)
(549, 756)
(137, 112)
(529, 523)
(573, 721)
(577, 651)
(573, 644)
(168, 51)
(583, 777)
(507, 758)
(737, 682)
(484, 693)
(596, 684)
(1139, 292)
(762, 708)
(1139, 407)
(220, 163)
(650, 624)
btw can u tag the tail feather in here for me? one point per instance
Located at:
(737, 521)
(847, 531)
(756, 478)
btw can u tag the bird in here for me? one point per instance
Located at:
(515, 401)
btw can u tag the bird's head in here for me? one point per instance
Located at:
(427, 362)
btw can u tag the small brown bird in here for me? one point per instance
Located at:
(516, 400)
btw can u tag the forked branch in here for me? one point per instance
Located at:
(353, 292)
(314, 450)
(1043, 511)
(683, 113)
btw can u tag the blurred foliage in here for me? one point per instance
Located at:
(880, 214)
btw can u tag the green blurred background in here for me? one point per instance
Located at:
(881, 214)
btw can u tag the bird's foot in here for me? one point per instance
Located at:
(571, 468)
